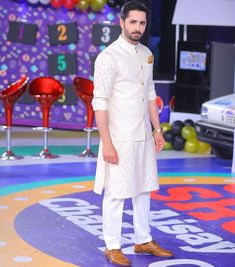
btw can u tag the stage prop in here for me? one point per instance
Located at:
(84, 90)
(45, 90)
(41, 40)
(9, 96)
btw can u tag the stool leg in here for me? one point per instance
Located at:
(87, 152)
(8, 154)
(45, 153)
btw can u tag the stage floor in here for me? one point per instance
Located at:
(51, 217)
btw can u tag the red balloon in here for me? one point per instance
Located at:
(69, 4)
(56, 3)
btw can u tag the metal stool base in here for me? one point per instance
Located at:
(87, 154)
(45, 154)
(9, 155)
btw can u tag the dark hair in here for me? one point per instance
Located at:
(133, 5)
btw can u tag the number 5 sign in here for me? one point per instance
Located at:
(104, 34)
(62, 64)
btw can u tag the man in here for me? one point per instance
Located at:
(124, 103)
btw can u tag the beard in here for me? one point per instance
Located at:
(133, 36)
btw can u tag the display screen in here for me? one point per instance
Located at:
(190, 60)
(193, 63)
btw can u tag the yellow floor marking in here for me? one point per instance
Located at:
(15, 245)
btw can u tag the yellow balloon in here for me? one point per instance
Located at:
(97, 5)
(167, 146)
(191, 145)
(203, 147)
(83, 5)
(188, 132)
(165, 126)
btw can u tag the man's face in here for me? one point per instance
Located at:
(134, 26)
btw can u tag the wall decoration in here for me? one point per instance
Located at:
(62, 64)
(105, 34)
(20, 32)
(63, 33)
(18, 58)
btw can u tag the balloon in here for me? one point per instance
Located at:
(189, 122)
(188, 132)
(112, 3)
(165, 126)
(167, 146)
(45, 2)
(176, 127)
(168, 136)
(178, 142)
(69, 4)
(56, 3)
(203, 147)
(83, 5)
(33, 1)
(191, 145)
(97, 5)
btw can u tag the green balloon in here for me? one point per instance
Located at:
(165, 126)
(83, 5)
(203, 147)
(97, 5)
(167, 146)
(191, 145)
(188, 132)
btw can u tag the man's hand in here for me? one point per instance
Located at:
(159, 141)
(110, 154)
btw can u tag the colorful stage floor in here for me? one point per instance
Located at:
(51, 217)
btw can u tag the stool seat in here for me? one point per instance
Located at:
(46, 90)
(9, 96)
(84, 90)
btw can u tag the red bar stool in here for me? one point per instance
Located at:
(84, 90)
(45, 90)
(9, 96)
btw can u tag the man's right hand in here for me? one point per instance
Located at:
(110, 154)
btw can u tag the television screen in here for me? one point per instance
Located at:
(193, 63)
(190, 60)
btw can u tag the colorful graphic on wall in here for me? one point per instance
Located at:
(38, 40)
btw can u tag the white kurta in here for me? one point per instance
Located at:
(123, 85)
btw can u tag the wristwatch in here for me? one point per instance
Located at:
(158, 130)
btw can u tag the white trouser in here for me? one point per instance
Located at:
(112, 220)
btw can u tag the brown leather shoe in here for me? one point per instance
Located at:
(116, 256)
(153, 248)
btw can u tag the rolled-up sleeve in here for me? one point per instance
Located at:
(151, 92)
(104, 78)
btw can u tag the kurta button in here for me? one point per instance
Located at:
(142, 83)
(141, 67)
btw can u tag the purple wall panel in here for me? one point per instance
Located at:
(17, 59)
